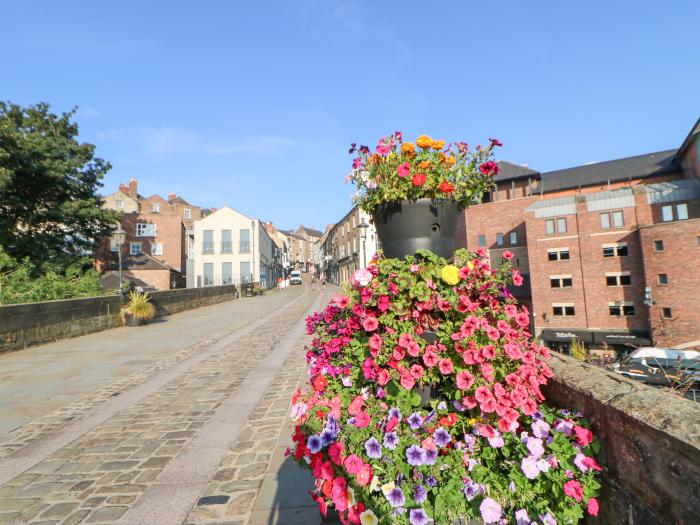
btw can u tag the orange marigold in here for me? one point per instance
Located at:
(375, 158)
(438, 144)
(424, 141)
(408, 147)
(450, 161)
(424, 164)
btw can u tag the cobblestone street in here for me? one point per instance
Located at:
(186, 423)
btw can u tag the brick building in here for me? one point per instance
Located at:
(304, 248)
(604, 248)
(159, 236)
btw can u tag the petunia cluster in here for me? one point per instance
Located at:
(396, 170)
(425, 402)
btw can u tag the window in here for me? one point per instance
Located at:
(662, 279)
(560, 281)
(113, 246)
(245, 272)
(615, 250)
(618, 219)
(561, 225)
(155, 207)
(618, 279)
(558, 254)
(244, 244)
(208, 274)
(156, 248)
(682, 212)
(187, 213)
(698, 240)
(667, 213)
(135, 248)
(207, 241)
(499, 239)
(513, 238)
(120, 204)
(658, 246)
(482, 240)
(666, 313)
(226, 244)
(621, 309)
(563, 310)
(549, 226)
(605, 220)
(145, 230)
(226, 273)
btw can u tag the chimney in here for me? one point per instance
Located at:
(124, 188)
(133, 189)
(172, 196)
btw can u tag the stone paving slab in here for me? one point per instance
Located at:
(99, 477)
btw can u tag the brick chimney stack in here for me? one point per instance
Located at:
(133, 189)
(172, 196)
(124, 188)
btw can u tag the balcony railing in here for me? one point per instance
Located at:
(208, 247)
(244, 247)
(226, 247)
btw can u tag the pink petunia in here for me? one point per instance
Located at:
(404, 170)
(592, 506)
(445, 366)
(464, 380)
(583, 435)
(353, 463)
(573, 489)
(370, 323)
(430, 358)
(341, 301)
(362, 419)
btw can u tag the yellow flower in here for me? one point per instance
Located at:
(388, 487)
(450, 274)
(408, 147)
(374, 484)
(438, 144)
(450, 161)
(368, 517)
(351, 497)
(424, 141)
(423, 165)
(470, 265)
(472, 422)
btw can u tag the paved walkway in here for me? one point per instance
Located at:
(183, 421)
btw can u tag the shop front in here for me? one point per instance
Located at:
(560, 340)
(619, 342)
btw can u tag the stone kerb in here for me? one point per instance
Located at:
(650, 442)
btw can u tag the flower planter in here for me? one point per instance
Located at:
(134, 321)
(429, 224)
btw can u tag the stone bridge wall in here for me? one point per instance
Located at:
(23, 325)
(650, 443)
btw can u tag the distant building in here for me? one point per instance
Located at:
(158, 237)
(606, 249)
(347, 246)
(305, 250)
(232, 248)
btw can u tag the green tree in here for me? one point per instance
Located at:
(49, 207)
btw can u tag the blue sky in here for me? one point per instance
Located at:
(253, 104)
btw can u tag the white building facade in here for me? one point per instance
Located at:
(232, 248)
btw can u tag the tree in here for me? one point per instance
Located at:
(49, 207)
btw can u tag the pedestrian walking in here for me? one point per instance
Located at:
(323, 281)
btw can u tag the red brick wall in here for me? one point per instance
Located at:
(160, 279)
(680, 261)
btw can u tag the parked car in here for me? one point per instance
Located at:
(295, 277)
(660, 366)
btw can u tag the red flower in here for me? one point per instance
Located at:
(573, 489)
(419, 179)
(356, 406)
(320, 383)
(446, 187)
(592, 506)
(583, 435)
(404, 170)
(507, 255)
(495, 142)
(362, 419)
(489, 168)
(391, 424)
(370, 324)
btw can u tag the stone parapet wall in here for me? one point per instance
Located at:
(23, 325)
(650, 443)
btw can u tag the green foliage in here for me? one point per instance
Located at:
(26, 282)
(140, 306)
(49, 207)
(578, 350)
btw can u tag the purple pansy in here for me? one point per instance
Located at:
(430, 457)
(396, 497)
(431, 481)
(315, 443)
(441, 437)
(521, 517)
(415, 420)
(391, 440)
(419, 494)
(417, 517)
(415, 455)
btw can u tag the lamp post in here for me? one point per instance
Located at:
(363, 236)
(119, 236)
(252, 251)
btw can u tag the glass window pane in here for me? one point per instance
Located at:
(554, 283)
(513, 238)
(625, 280)
(569, 310)
(558, 310)
(614, 310)
(611, 280)
(618, 219)
(667, 213)
(663, 278)
(552, 256)
(561, 225)
(621, 251)
(549, 226)
(682, 211)
(208, 271)
(226, 273)
(567, 282)
(666, 313)
(605, 220)
(608, 251)
(245, 272)
(658, 246)
(482, 240)
(564, 255)
(499, 239)
(244, 244)
(628, 309)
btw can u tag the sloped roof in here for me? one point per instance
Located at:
(179, 200)
(313, 232)
(509, 171)
(144, 261)
(637, 167)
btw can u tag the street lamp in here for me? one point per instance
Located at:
(119, 236)
(363, 236)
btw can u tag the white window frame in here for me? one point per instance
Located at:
(131, 248)
(682, 216)
(560, 278)
(113, 246)
(563, 306)
(187, 213)
(617, 280)
(143, 229)
(158, 251)
(155, 207)
(616, 248)
(119, 203)
(667, 213)
(500, 240)
(621, 305)
(558, 252)
(513, 238)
